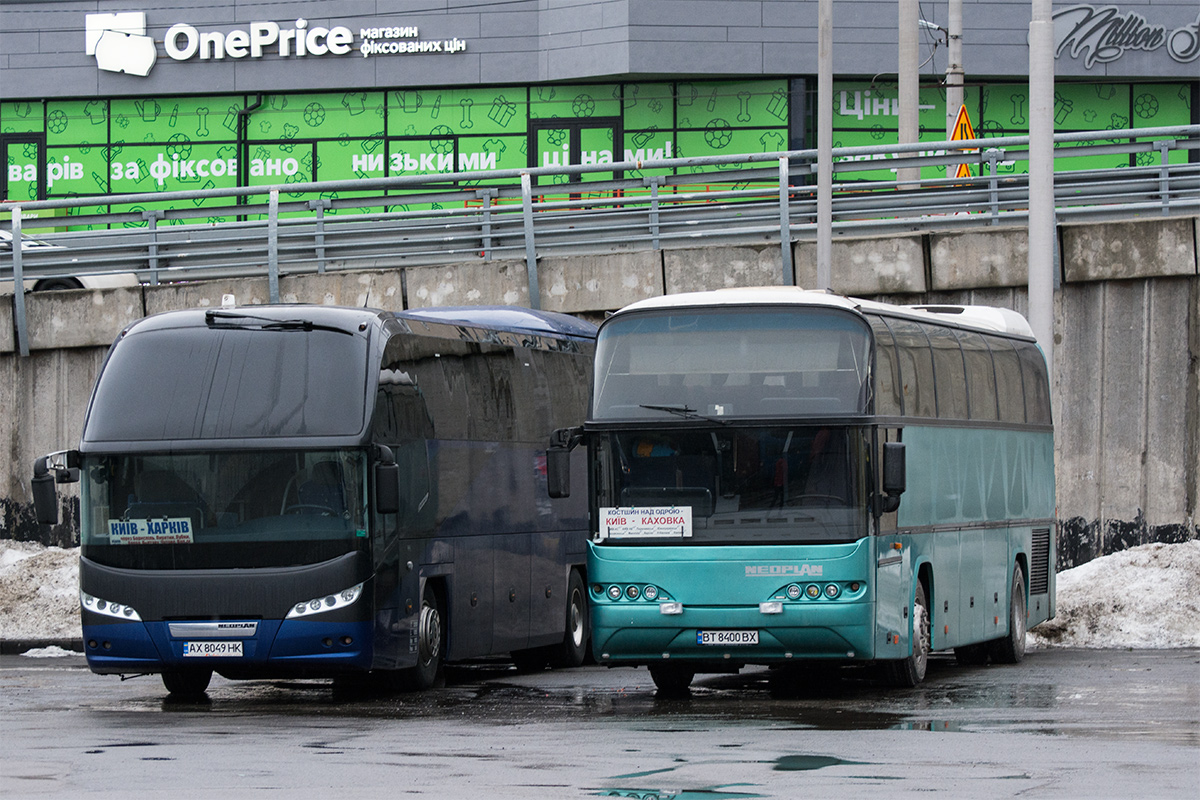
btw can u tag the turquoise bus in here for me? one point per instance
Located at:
(780, 476)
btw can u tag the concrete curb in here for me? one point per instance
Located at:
(15, 647)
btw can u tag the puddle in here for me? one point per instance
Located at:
(804, 763)
(717, 793)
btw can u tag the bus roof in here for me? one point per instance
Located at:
(984, 318)
(507, 318)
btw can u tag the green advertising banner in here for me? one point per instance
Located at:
(20, 116)
(190, 119)
(443, 112)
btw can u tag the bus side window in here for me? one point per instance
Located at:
(916, 368)
(981, 376)
(888, 398)
(1037, 388)
(949, 373)
(1011, 394)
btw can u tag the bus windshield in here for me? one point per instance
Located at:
(766, 362)
(742, 485)
(223, 510)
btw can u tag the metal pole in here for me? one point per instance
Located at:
(954, 66)
(1041, 178)
(535, 301)
(273, 246)
(318, 206)
(909, 90)
(151, 218)
(22, 330)
(825, 144)
(785, 228)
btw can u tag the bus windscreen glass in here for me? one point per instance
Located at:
(235, 383)
(223, 510)
(732, 485)
(759, 363)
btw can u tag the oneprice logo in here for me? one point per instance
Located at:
(119, 42)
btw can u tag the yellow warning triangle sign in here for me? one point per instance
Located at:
(963, 130)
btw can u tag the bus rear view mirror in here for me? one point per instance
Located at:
(387, 482)
(558, 461)
(558, 472)
(895, 479)
(45, 494)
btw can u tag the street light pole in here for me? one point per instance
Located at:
(909, 90)
(1041, 177)
(954, 66)
(824, 144)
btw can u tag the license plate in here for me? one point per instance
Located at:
(726, 637)
(212, 649)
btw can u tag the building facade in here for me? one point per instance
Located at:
(115, 97)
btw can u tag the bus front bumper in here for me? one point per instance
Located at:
(277, 647)
(627, 635)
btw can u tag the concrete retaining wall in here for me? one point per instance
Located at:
(1127, 343)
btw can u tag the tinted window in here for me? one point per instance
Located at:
(887, 371)
(1009, 386)
(981, 377)
(916, 368)
(268, 508)
(737, 362)
(230, 383)
(951, 378)
(1037, 387)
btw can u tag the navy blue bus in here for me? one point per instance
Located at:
(307, 491)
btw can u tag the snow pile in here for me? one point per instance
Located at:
(39, 591)
(1144, 597)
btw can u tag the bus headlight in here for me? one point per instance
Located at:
(813, 591)
(793, 592)
(330, 602)
(614, 592)
(107, 608)
(832, 590)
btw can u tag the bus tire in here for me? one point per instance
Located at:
(575, 644)
(910, 671)
(431, 643)
(1010, 649)
(672, 681)
(187, 683)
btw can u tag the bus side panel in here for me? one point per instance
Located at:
(893, 597)
(549, 571)
(470, 593)
(944, 597)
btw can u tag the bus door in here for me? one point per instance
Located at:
(24, 158)
(569, 142)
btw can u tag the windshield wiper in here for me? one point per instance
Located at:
(269, 324)
(684, 411)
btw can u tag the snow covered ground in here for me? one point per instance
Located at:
(1145, 597)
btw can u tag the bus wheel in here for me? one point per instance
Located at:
(910, 671)
(1011, 648)
(431, 642)
(191, 683)
(575, 642)
(672, 681)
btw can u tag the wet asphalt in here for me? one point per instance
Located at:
(1064, 723)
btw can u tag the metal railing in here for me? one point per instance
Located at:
(759, 198)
